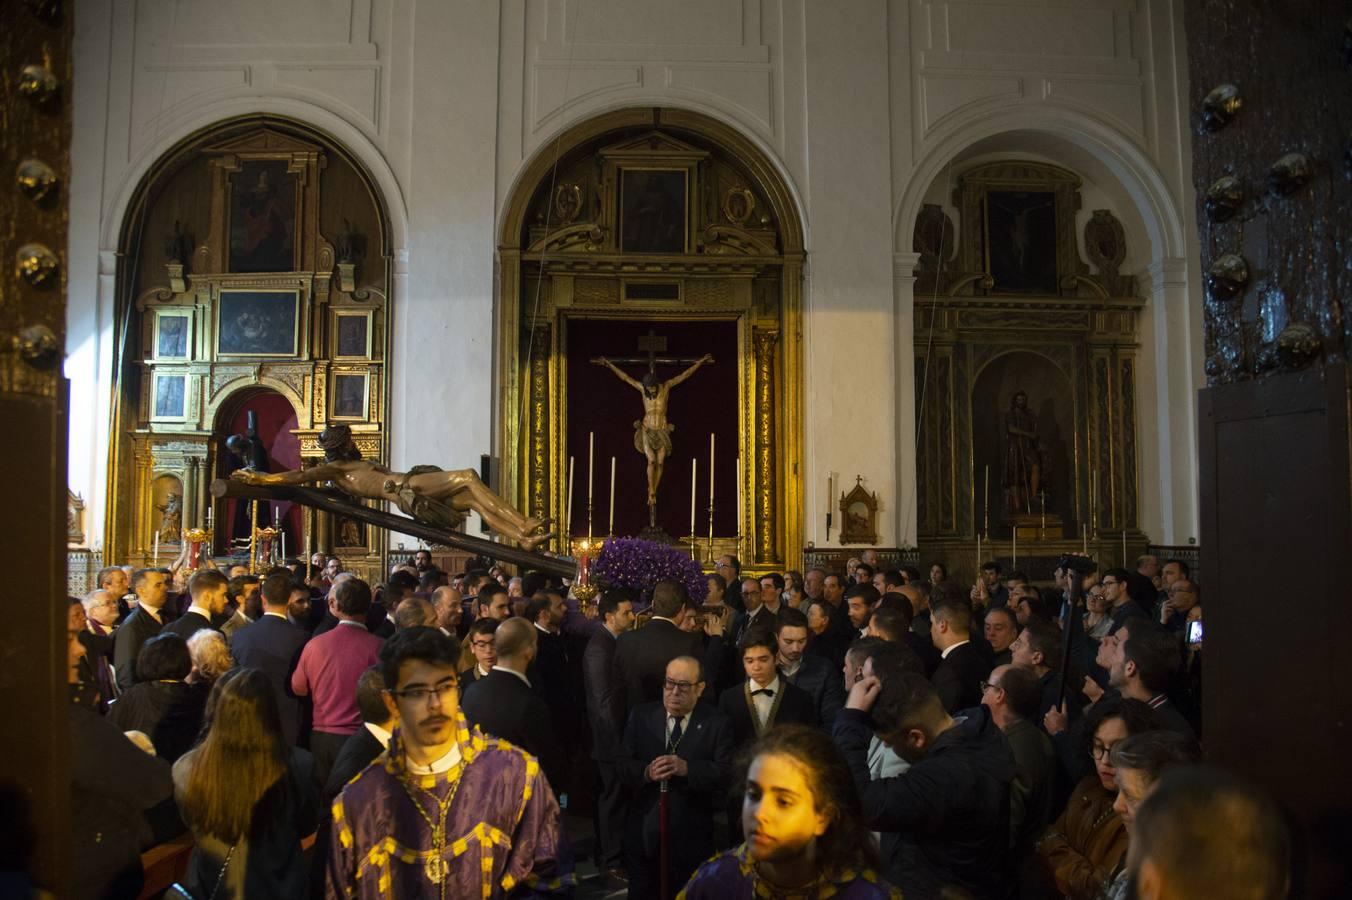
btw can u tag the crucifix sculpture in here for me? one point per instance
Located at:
(652, 433)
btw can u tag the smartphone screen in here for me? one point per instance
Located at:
(1194, 632)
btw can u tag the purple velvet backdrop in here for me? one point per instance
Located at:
(276, 419)
(599, 402)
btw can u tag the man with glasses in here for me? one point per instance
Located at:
(1121, 604)
(481, 644)
(442, 787)
(1180, 598)
(1012, 695)
(683, 748)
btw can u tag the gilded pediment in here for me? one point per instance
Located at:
(654, 145)
(264, 140)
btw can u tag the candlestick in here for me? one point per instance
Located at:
(694, 465)
(612, 496)
(591, 444)
(1084, 538)
(156, 557)
(283, 557)
(986, 527)
(978, 554)
(1042, 524)
(711, 468)
(1015, 548)
(1124, 547)
(568, 512)
(276, 516)
(1093, 501)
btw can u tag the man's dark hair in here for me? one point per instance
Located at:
(1007, 613)
(1138, 717)
(900, 602)
(164, 657)
(472, 581)
(759, 637)
(431, 579)
(776, 579)
(891, 658)
(1151, 752)
(735, 563)
(867, 592)
(950, 591)
(235, 587)
(1123, 576)
(140, 575)
(1017, 575)
(1023, 694)
(1211, 835)
(861, 648)
(103, 576)
(420, 643)
(208, 580)
(370, 687)
(668, 598)
(401, 584)
(840, 578)
(609, 604)
(538, 604)
(1183, 568)
(352, 596)
(912, 574)
(993, 566)
(790, 618)
(892, 578)
(718, 580)
(891, 621)
(904, 701)
(956, 613)
(1156, 653)
(1045, 638)
(865, 568)
(487, 593)
(484, 625)
(277, 590)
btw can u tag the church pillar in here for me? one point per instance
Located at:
(765, 520)
(903, 364)
(142, 459)
(539, 417)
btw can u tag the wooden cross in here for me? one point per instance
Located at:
(653, 344)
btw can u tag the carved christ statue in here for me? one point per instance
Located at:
(652, 433)
(426, 493)
(1024, 473)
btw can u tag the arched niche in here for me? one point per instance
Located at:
(277, 430)
(569, 268)
(257, 263)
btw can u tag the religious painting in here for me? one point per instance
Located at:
(352, 335)
(859, 515)
(349, 395)
(263, 217)
(1021, 241)
(257, 322)
(171, 335)
(351, 533)
(653, 210)
(171, 396)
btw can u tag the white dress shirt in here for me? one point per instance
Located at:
(952, 648)
(763, 702)
(520, 675)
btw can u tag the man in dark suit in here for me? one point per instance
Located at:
(481, 644)
(208, 591)
(607, 726)
(688, 745)
(367, 742)
(957, 680)
(812, 674)
(273, 646)
(764, 699)
(641, 655)
(503, 704)
(146, 621)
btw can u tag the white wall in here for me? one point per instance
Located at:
(858, 104)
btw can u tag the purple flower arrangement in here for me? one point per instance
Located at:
(638, 564)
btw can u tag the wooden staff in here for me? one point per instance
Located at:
(253, 541)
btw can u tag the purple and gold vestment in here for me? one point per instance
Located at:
(731, 875)
(503, 835)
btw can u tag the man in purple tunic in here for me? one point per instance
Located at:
(446, 812)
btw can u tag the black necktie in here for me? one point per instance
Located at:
(766, 691)
(675, 735)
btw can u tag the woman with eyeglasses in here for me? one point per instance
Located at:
(1083, 847)
(247, 797)
(1097, 621)
(805, 831)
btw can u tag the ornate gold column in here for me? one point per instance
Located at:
(766, 526)
(538, 463)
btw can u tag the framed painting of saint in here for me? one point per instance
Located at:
(170, 397)
(257, 322)
(172, 334)
(350, 395)
(1021, 241)
(352, 334)
(263, 217)
(653, 210)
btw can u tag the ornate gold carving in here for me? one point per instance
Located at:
(224, 375)
(588, 291)
(859, 515)
(767, 532)
(539, 422)
(721, 239)
(37, 346)
(36, 179)
(36, 264)
(738, 205)
(586, 237)
(38, 84)
(567, 203)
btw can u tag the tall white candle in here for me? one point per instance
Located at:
(1015, 563)
(612, 496)
(157, 549)
(694, 465)
(591, 446)
(711, 470)
(568, 509)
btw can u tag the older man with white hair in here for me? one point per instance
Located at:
(101, 613)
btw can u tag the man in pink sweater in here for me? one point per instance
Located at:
(328, 671)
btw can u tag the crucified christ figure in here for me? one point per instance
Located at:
(652, 433)
(426, 493)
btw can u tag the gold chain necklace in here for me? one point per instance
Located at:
(436, 868)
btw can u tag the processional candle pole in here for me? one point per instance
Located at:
(694, 467)
(830, 502)
(1015, 547)
(611, 530)
(253, 539)
(591, 446)
(567, 530)
(711, 495)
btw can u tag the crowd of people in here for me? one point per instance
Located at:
(861, 733)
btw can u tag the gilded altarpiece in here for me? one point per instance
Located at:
(657, 216)
(261, 271)
(1041, 321)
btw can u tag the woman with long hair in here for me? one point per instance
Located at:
(247, 797)
(805, 832)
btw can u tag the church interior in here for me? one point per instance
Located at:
(983, 294)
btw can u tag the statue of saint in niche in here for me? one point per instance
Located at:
(171, 517)
(652, 433)
(1025, 474)
(426, 493)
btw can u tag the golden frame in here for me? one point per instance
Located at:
(365, 376)
(186, 377)
(296, 293)
(684, 172)
(177, 312)
(295, 168)
(338, 316)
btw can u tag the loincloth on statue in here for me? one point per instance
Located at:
(420, 506)
(654, 439)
